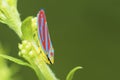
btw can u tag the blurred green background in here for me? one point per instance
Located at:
(83, 32)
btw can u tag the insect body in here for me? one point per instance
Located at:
(44, 36)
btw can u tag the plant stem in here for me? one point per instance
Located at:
(45, 70)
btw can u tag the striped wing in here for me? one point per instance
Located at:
(44, 36)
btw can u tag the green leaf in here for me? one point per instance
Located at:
(15, 60)
(27, 28)
(72, 72)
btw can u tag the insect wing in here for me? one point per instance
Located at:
(44, 36)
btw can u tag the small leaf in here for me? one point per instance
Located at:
(15, 60)
(27, 28)
(72, 72)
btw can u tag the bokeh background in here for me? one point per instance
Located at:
(84, 33)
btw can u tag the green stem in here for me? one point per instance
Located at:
(45, 70)
(15, 23)
(42, 70)
(16, 26)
